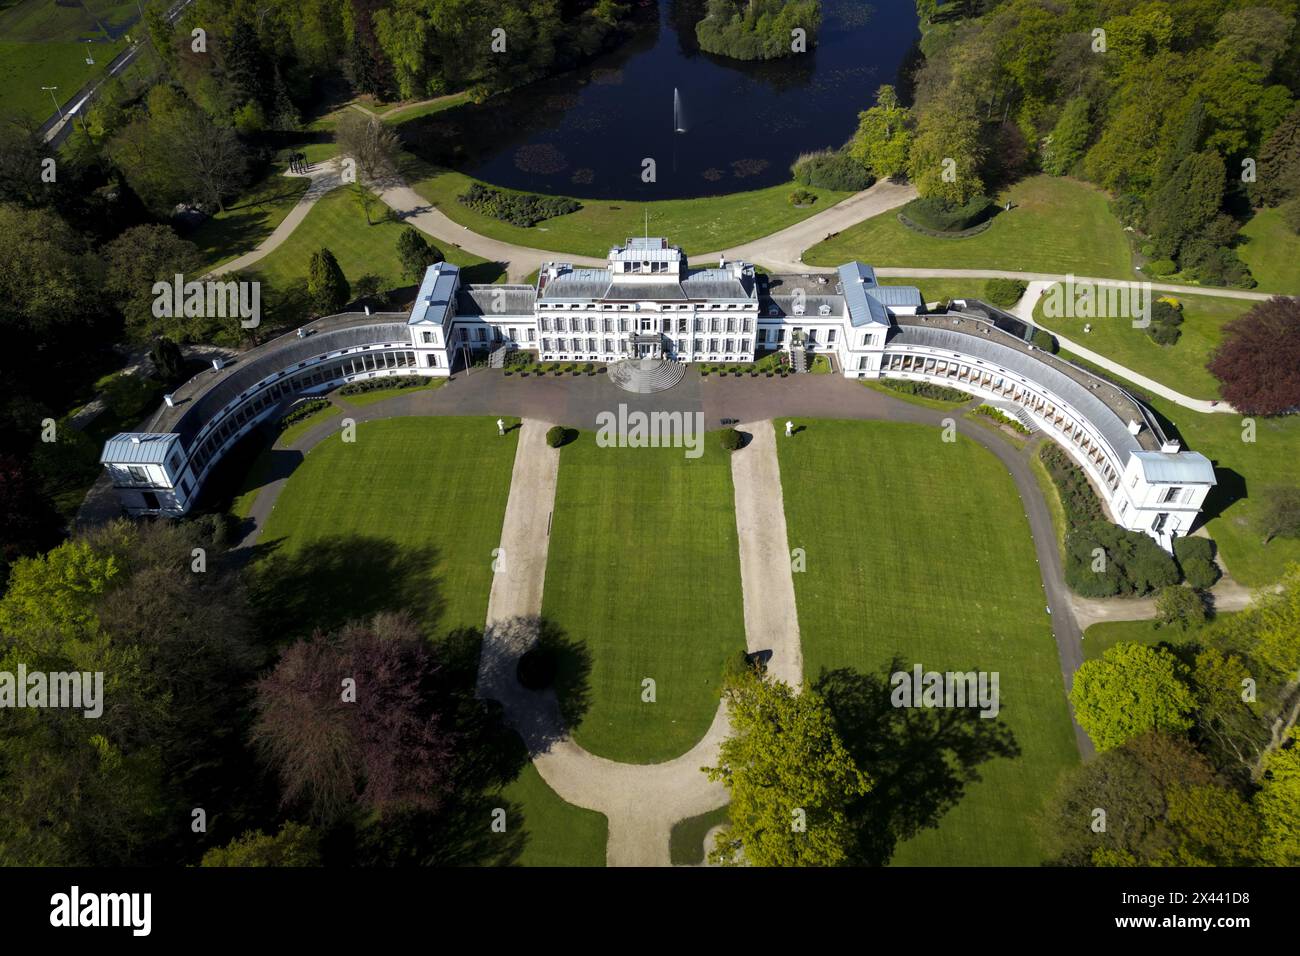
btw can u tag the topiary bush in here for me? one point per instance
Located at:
(1196, 557)
(1004, 292)
(556, 436)
(943, 216)
(731, 439)
(1199, 573)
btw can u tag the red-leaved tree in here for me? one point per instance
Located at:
(381, 747)
(1258, 361)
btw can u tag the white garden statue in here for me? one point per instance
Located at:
(789, 429)
(501, 426)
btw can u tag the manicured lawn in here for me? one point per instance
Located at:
(390, 491)
(644, 570)
(1100, 638)
(556, 833)
(337, 222)
(1181, 365)
(26, 67)
(1058, 226)
(943, 576)
(697, 225)
(1272, 251)
(248, 220)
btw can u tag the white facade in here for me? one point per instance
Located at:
(648, 303)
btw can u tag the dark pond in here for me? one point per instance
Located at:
(586, 133)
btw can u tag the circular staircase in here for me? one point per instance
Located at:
(646, 375)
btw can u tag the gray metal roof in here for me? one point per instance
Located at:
(138, 448)
(477, 300)
(1182, 468)
(897, 295)
(437, 293)
(216, 390)
(1107, 421)
(589, 285)
(855, 281)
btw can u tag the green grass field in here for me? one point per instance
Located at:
(1057, 226)
(644, 570)
(391, 487)
(338, 222)
(362, 399)
(697, 225)
(940, 290)
(943, 576)
(1272, 251)
(1181, 365)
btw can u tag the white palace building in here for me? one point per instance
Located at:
(648, 304)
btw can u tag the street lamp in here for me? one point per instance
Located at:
(57, 108)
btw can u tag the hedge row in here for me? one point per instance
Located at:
(518, 209)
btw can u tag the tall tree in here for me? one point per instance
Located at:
(1130, 690)
(882, 140)
(1257, 361)
(327, 287)
(790, 778)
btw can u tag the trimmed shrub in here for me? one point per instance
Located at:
(802, 197)
(556, 436)
(942, 216)
(731, 439)
(383, 382)
(831, 169)
(997, 415)
(1199, 573)
(1004, 292)
(518, 209)
(302, 411)
(1161, 267)
(1132, 564)
(941, 393)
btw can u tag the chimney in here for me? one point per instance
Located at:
(367, 310)
(1133, 427)
(135, 439)
(1171, 447)
(168, 399)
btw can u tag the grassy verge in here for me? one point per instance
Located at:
(884, 388)
(1053, 499)
(1100, 638)
(697, 225)
(1058, 226)
(644, 571)
(1008, 435)
(960, 590)
(362, 399)
(686, 844)
(1181, 365)
(27, 67)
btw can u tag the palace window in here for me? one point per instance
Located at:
(427, 338)
(1170, 494)
(830, 337)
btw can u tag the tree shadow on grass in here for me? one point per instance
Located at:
(920, 760)
(330, 581)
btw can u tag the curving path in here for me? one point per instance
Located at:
(643, 801)
(1025, 310)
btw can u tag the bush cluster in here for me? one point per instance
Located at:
(1165, 319)
(303, 410)
(518, 209)
(941, 393)
(382, 382)
(1004, 293)
(1196, 558)
(831, 169)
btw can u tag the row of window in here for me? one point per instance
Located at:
(663, 307)
(593, 345)
(715, 324)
